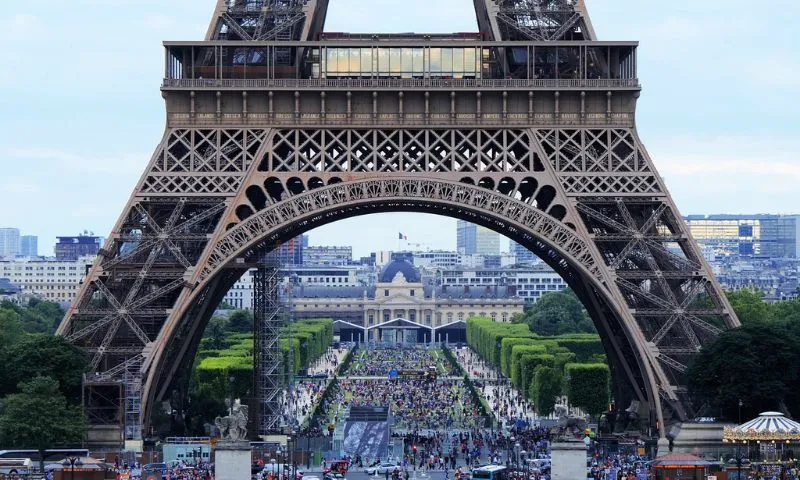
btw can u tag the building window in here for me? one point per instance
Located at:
(386, 293)
(412, 293)
(412, 316)
(371, 319)
(386, 317)
(461, 315)
(428, 318)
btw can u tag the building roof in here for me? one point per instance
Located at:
(391, 269)
(679, 460)
(8, 288)
(399, 323)
(304, 291)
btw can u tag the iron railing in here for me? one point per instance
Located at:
(444, 119)
(400, 83)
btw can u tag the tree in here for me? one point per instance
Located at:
(558, 313)
(44, 355)
(749, 306)
(241, 321)
(39, 417)
(588, 386)
(544, 389)
(756, 363)
(215, 333)
(11, 330)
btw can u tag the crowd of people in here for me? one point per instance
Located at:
(507, 403)
(379, 361)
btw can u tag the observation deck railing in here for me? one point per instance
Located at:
(515, 119)
(399, 83)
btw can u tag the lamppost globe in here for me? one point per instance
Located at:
(72, 462)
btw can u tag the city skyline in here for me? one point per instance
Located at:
(71, 158)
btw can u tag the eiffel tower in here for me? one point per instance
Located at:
(275, 127)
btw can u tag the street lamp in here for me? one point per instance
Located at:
(280, 461)
(231, 380)
(738, 454)
(290, 447)
(517, 449)
(72, 462)
(524, 463)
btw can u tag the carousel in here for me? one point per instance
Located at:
(766, 443)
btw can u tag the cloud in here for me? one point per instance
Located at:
(730, 173)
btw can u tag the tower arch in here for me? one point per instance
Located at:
(530, 133)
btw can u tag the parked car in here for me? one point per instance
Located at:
(381, 469)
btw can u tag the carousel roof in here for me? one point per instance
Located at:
(767, 426)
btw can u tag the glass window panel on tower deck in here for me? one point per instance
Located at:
(366, 62)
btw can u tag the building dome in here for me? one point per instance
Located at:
(391, 269)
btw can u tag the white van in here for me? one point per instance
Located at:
(16, 466)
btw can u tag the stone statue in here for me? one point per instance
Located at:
(234, 426)
(569, 421)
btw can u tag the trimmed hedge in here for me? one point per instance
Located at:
(452, 360)
(584, 348)
(304, 341)
(588, 386)
(544, 389)
(520, 354)
(506, 345)
(528, 366)
(517, 352)
(484, 335)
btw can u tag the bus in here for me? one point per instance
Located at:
(49, 455)
(490, 472)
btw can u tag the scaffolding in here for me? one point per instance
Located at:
(267, 354)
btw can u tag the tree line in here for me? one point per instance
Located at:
(543, 368)
(223, 366)
(40, 382)
(757, 363)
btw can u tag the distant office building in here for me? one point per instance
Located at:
(292, 251)
(768, 236)
(28, 246)
(72, 248)
(523, 255)
(327, 256)
(527, 283)
(9, 242)
(474, 239)
(435, 259)
(54, 280)
(381, 258)
(241, 294)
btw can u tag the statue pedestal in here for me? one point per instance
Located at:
(568, 460)
(232, 460)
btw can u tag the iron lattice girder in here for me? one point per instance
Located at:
(265, 22)
(267, 355)
(539, 20)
